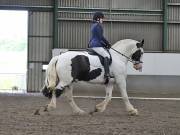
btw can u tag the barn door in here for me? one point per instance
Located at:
(13, 51)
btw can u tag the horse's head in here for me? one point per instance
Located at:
(137, 55)
(131, 49)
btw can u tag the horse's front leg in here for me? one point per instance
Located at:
(121, 82)
(69, 95)
(102, 106)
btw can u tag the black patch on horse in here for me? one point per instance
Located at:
(48, 93)
(137, 55)
(81, 69)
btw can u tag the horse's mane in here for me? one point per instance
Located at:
(125, 45)
(124, 42)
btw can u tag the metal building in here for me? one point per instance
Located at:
(66, 23)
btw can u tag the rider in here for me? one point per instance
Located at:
(98, 42)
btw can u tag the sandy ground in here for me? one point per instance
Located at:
(156, 118)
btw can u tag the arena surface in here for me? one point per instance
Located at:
(156, 117)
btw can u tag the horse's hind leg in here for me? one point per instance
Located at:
(52, 103)
(69, 95)
(49, 106)
(56, 92)
(102, 106)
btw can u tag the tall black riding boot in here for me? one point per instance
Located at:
(106, 68)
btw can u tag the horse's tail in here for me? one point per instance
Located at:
(51, 78)
(51, 74)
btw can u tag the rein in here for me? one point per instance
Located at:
(129, 59)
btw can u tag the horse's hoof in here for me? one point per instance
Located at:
(133, 112)
(99, 109)
(96, 110)
(80, 112)
(46, 108)
(92, 112)
(37, 112)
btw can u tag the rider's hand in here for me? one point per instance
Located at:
(108, 46)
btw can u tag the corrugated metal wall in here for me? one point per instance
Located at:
(27, 3)
(135, 19)
(84, 3)
(40, 36)
(139, 31)
(35, 77)
(174, 25)
(74, 35)
(137, 4)
(40, 40)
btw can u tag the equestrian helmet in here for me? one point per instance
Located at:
(98, 15)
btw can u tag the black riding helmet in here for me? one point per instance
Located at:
(98, 15)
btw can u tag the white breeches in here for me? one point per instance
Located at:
(101, 51)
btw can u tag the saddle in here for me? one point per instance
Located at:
(101, 58)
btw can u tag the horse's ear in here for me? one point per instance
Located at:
(140, 44)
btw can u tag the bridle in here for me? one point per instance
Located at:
(129, 59)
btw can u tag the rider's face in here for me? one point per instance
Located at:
(101, 20)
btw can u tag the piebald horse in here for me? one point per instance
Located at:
(74, 66)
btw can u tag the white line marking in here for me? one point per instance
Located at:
(93, 97)
(138, 98)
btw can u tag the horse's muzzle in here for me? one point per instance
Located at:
(138, 66)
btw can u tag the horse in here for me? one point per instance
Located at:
(73, 66)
